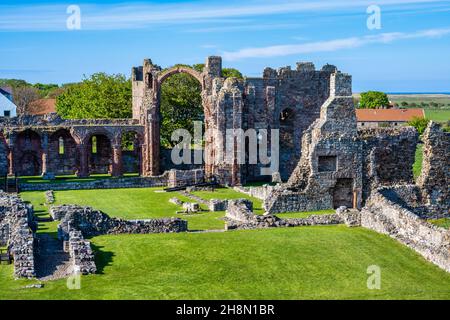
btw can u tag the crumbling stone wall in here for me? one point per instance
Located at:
(179, 178)
(257, 192)
(332, 137)
(239, 215)
(389, 155)
(388, 217)
(18, 225)
(81, 253)
(252, 103)
(94, 223)
(119, 183)
(434, 180)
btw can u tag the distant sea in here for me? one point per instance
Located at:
(411, 93)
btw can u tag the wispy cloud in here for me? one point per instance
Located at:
(247, 27)
(120, 16)
(331, 45)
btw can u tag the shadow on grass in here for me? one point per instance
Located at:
(102, 258)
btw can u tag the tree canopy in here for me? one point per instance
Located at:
(373, 100)
(99, 96)
(181, 102)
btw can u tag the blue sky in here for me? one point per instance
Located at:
(410, 53)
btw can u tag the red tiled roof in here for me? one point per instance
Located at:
(42, 106)
(388, 115)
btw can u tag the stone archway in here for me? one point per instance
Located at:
(63, 151)
(287, 142)
(154, 83)
(99, 153)
(28, 153)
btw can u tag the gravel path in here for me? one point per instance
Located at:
(52, 262)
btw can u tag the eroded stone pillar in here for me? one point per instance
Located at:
(83, 172)
(11, 169)
(117, 161)
(44, 156)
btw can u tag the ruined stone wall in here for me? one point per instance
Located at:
(180, 178)
(388, 156)
(81, 254)
(298, 94)
(118, 183)
(67, 160)
(17, 222)
(434, 180)
(94, 223)
(257, 192)
(239, 215)
(3, 156)
(388, 217)
(329, 173)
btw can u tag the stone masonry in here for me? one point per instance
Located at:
(17, 227)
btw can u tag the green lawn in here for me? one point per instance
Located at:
(444, 222)
(299, 215)
(71, 178)
(438, 115)
(139, 203)
(322, 262)
(417, 166)
(228, 193)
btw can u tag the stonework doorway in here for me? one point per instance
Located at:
(343, 193)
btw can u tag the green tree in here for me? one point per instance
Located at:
(419, 123)
(99, 96)
(373, 100)
(45, 89)
(181, 104)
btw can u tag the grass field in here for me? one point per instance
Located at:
(296, 263)
(417, 167)
(71, 178)
(444, 222)
(437, 115)
(322, 262)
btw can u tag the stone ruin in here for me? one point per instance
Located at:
(286, 99)
(370, 170)
(17, 233)
(77, 223)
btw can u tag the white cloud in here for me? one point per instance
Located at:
(330, 45)
(119, 16)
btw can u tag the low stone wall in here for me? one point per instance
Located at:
(257, 192)
(388, 217)
(81, 253)
(240, 216)
(217, 205)
(49, 197)
(181, 178)
(93, 223)
(289, 201)
(18, 225)
(111, 183)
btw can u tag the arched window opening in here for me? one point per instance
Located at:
(94, 145)
(61, 146)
